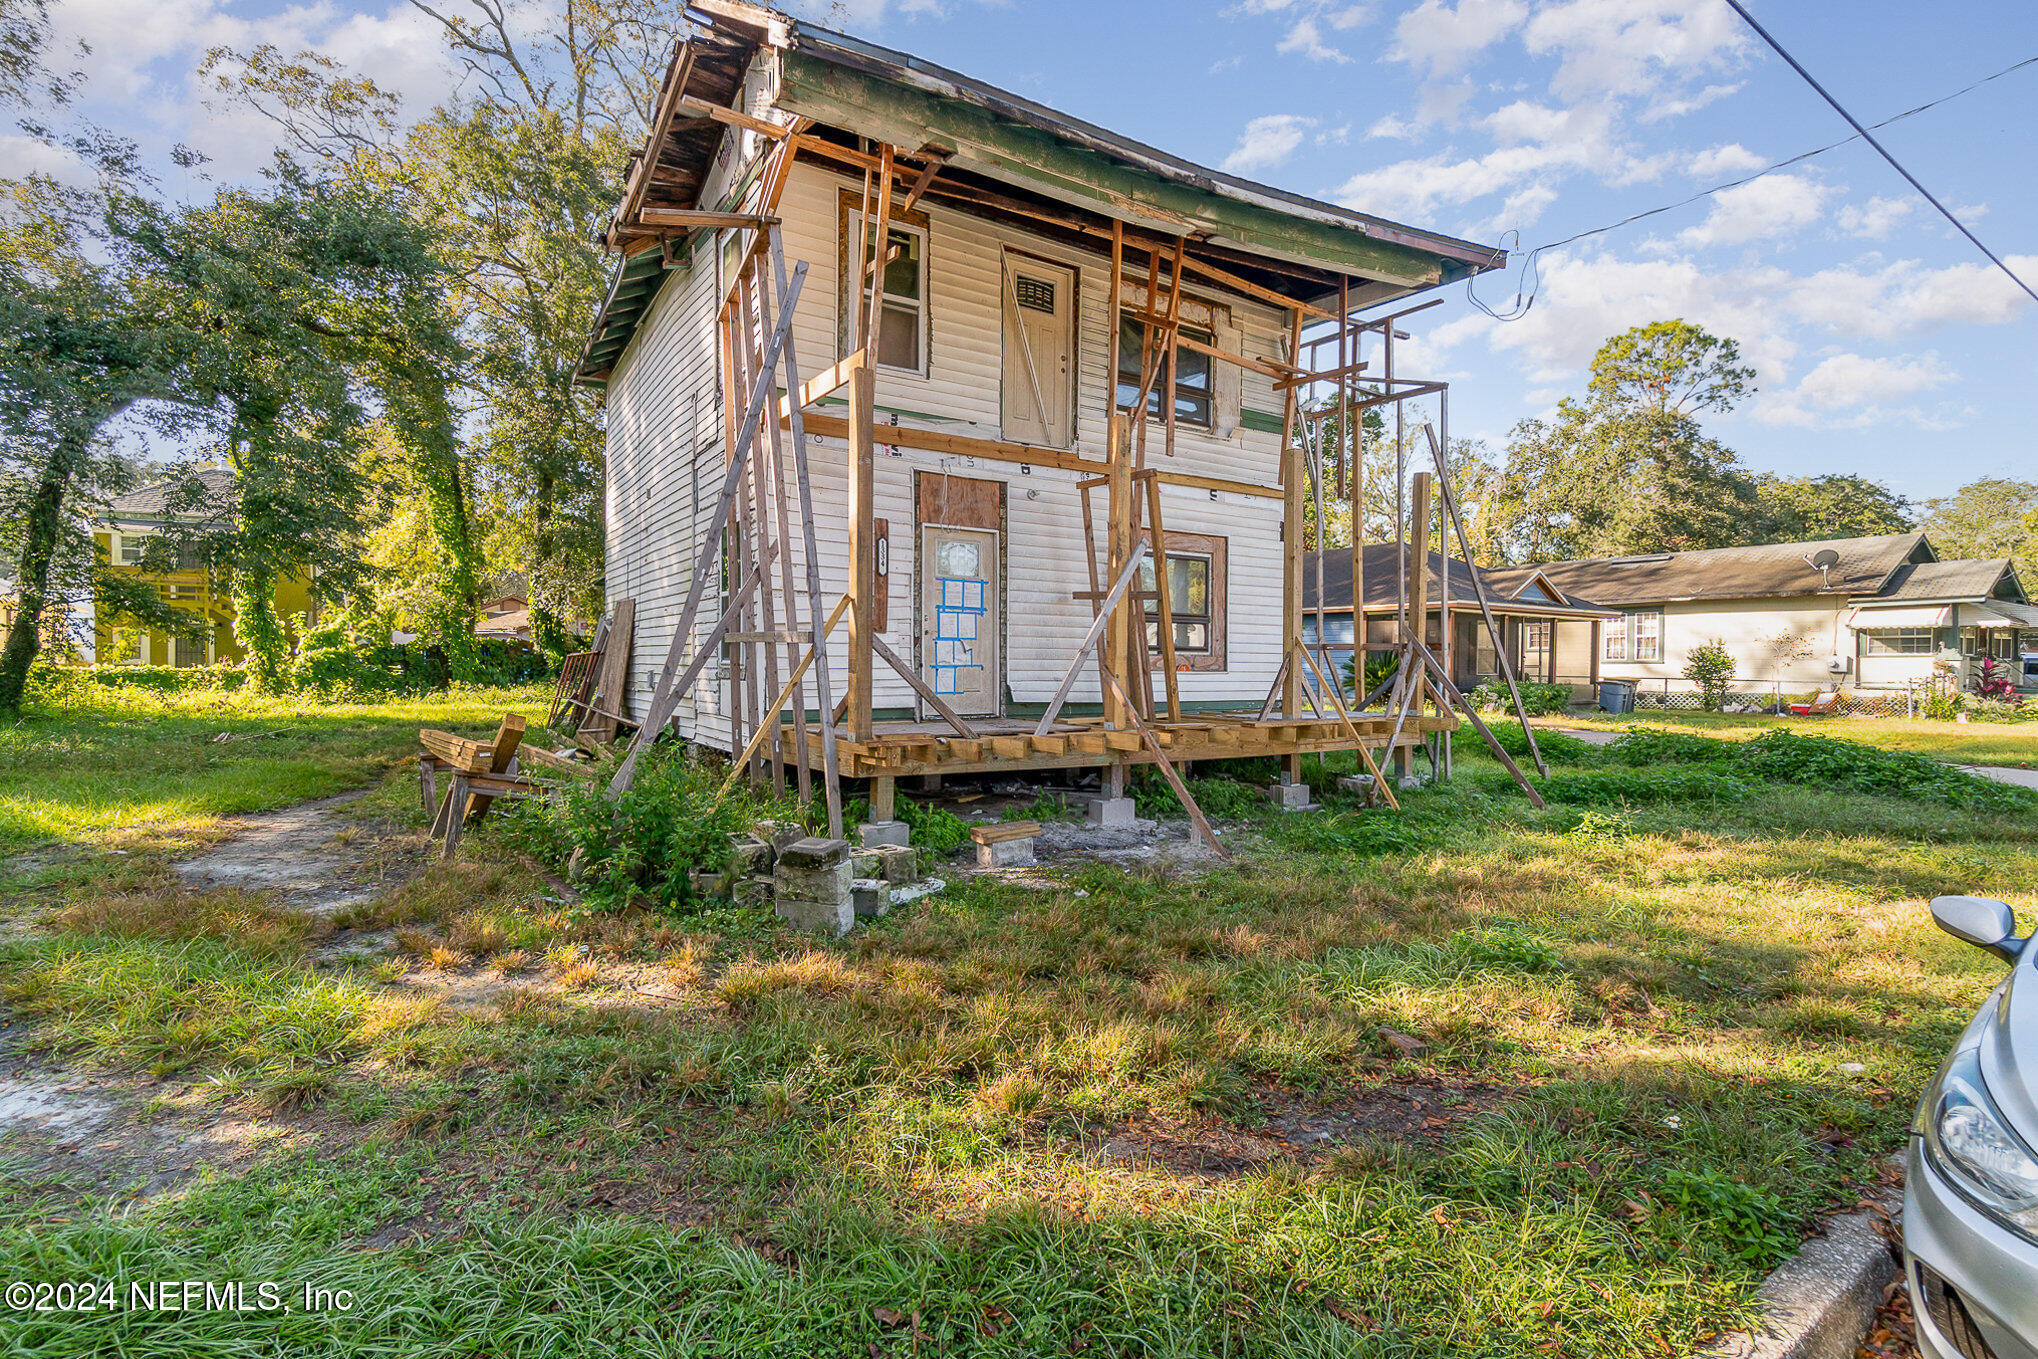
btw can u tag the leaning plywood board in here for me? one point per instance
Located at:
(614, 674)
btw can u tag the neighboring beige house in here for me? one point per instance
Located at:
(1867, 613)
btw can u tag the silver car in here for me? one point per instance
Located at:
(1971, 1181)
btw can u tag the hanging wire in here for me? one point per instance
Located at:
(1529, 278)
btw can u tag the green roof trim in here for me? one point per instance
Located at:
(834, 94)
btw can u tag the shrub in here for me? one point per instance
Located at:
(643, 847)
(1642, 748)
(1540, 700)
(1711, 668)
(1228, 799)
(934, 828)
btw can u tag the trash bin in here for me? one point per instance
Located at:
(1617, 696)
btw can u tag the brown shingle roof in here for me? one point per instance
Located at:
(1383, 563)
(156, 500)
(1964, 578)
(1769, 571)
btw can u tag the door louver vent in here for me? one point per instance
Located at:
(1035, 293)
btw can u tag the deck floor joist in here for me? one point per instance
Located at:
(911, 748)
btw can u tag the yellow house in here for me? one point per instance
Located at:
(190, 586)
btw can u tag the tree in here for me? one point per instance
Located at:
(1711, 668)
(25, 77)
(1630, 469)
(80, 346)
(1993, 517)
(1670, 368)
(1807, 509)
(264, 325)
(516, 180)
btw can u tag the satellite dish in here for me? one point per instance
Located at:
(1825, 559)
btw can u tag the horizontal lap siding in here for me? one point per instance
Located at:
(662, 397)
(1044, 544)
(655, 524)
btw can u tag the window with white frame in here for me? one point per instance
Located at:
(1614, 639)
(1898, 641)
(1647, 632)
(128, 548)
(1633, 637)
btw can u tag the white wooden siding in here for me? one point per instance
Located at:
(666, 460)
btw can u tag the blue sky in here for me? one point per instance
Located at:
(1885, 345)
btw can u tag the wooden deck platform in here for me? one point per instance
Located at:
(906, 748)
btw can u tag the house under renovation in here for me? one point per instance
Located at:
(948, 433)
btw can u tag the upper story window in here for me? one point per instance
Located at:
(1195, 388)
(901, 340)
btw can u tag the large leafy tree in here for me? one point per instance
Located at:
(1630, 468)
(1806, 509)
(1992, 517)
(516, 178)
(267, 327)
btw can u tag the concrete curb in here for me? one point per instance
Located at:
(1820, 1302)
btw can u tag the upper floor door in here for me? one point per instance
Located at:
(1039, 357)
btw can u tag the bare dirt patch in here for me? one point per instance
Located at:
(311, 856)
(106, 1133)
(1287, 1126)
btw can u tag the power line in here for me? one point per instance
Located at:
(1524, 300)
(1881, 150)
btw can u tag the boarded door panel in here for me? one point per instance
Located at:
(959, 621)
(1038, 368)
(962, 502)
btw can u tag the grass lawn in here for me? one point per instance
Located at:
(1107, 1111)
(2004, 743)
(137, 766)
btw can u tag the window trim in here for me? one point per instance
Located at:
(849, 261)
(1871, 643)
(1627, 626)
(1206, 394)
(1216, 550)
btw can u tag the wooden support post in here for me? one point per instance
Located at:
(883, 798)
(1118, 650)
(831, 782)
(1167, 769)
(1418, 557)
(803, 774)
(862, 546)
(456, 798)
(1157, 535)
(1291, 551)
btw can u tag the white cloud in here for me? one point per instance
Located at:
(1306, 37)
(1268, 141)
(1902, 298)
(1538, 144)
(1631, 47)
(1442, 39)
(1876, 218)
(1772, 206)
(1722, 162)
(1677, 107)
(1850, 391)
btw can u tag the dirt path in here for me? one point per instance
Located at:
(313, 859)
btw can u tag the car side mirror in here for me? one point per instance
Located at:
(1981, 921)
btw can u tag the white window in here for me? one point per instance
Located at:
(1648, 636)
(1634, 637)
(128, 646)
(128, 547)
(901, 341)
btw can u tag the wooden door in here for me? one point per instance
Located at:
(959, 616)
(1038, 359)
